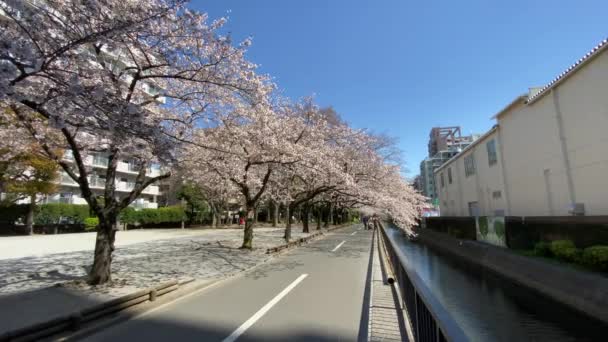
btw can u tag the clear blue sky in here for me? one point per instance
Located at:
(402, 67)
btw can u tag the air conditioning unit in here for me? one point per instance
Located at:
(577, 209)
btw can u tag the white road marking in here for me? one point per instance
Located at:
(338, 246)
(240, 330)
(353, 233)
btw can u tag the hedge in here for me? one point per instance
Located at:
(61, 213)
(54, 213)
(91, 223)
(565, 250)
(172, 214)
(596, 257)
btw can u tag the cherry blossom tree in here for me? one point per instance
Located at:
(244, 146)
(121, 78)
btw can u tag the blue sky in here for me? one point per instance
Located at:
(401, 67)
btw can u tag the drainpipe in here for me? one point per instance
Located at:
(563, 145)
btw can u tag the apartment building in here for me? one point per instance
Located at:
(546, 155)
(126, 173)
(444, 143)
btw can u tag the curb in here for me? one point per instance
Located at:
(186, 288)
(76, 319)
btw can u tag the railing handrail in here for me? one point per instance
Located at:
(444, 320)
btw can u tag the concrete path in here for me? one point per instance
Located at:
(39, 245)
(141, 259)
(28, 297)
(317, 292)
(386, 315)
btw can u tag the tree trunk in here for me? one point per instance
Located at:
(101, 271)
(305, 218)
(319, 217)
(330, 215)
(275, 216)
(213, 216)
(29, 220)
(287, 235)
(248, 234)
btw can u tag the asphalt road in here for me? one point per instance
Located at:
(317, 292)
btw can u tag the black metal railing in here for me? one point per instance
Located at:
(429, 319)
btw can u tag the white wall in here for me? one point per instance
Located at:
(583, 100)
(567, 126)
(478, 187)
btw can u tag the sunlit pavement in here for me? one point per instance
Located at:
(316, 292)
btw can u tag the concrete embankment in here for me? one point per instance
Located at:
(582, 291)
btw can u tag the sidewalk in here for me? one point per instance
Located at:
(29, 294)
(385, 321)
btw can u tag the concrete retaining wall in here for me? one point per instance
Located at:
(582, 291)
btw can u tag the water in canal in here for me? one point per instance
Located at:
(489, 308)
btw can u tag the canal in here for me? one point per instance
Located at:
(489, 308)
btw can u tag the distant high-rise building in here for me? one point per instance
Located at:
(448, 139)
(444, 143)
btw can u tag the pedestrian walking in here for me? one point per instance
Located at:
(365, 219)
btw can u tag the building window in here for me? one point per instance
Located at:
(473, 209)
(99, 160)
(442, 180)
(449, 175)
(65, 197)
(491, 146)
(496, 194)
(469, 165)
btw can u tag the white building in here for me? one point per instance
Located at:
(126, 173)
(546, 156)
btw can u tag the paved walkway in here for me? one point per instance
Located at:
(27, 295)
(385, 322)
(147, 260)
(15, 247)
(317, 292)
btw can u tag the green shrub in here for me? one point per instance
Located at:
(596, 257)
(542, 249)
(54, 213)
(483, 225)
(148, 216)
(171, 214)
(91, 223)
(565, 250)
(128, 216)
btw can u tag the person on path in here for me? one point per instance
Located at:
(375, 221)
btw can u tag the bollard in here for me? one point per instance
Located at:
(152, 295)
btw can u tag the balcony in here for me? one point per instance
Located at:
(128, 187)
(144, 205)
(100, 161)
(152, 190)
(127, 168)
(98, 183)
(67, 180)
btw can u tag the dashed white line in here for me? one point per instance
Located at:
(338, 246)
(240, 330)
(353, 233)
